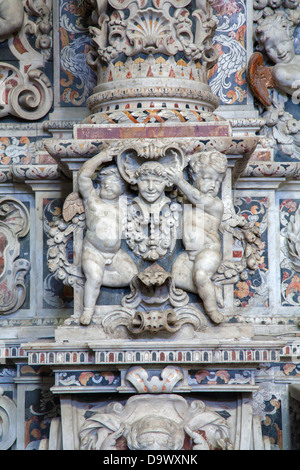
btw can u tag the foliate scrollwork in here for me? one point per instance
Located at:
(165, 27)
(144, 383)
(8, 421)
(14, 224)
(41, 28)
(28, 96)
(26, 91)
(293, 240)
(154, 304)
(60, 234)
(155, 423)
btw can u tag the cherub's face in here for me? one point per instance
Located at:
(260, 4)
(156, 441)
(151, 187)
(279, 47)
(275, 3)
(208, 181)
(291, 3)
(110, 188)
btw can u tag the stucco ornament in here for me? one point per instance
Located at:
(154, 304)
(165, 26)
(103, 261)
(274, 85)
(194, 268)
(8, 421)
(274, 35)
(293, 240)
(11, 17)
(152, 217)
(14, 224)
(155, 423)
(25, 89)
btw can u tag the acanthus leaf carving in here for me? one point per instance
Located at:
(25, 90)
(293, 240)
(144, 383)
(154, 304)
(14, 224)
(151, 29)
(158, 422)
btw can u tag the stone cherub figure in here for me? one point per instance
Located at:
(274, 35)
(103, 260)
(11, 17)
(193, 270)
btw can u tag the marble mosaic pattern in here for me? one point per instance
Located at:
(254, 290)
(220, 377)
(77, 80)
(17, 150)
(290, 280)
(40, 407)
(89, 379)
(227, 78)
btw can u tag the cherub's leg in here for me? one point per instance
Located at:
(205, 266)
(120, 272)
(182, 272)
(93, 266)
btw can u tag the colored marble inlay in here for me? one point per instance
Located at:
(290, 279)
(89, 379)
(77, 79)
(227, 78)
(221, 377)
(206, 130)
(40, 407)
(17, 150)
(254, 290)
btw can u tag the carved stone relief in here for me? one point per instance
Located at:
(26, 91)
(274, 72)
(11, 17)
(8, 421)
(152, 29)
(169, 377)
(127, 183)
(155, 423)
(140, 49)
(14, 224)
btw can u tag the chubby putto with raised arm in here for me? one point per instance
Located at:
(193, 270)
(275, 36)
(103, 260)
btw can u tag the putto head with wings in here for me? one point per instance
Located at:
(274, 35)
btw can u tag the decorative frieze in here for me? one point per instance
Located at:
(212, 352)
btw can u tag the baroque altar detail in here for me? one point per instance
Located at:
(155, 169)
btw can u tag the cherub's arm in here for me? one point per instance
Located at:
(85, 183)
(192, 193)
